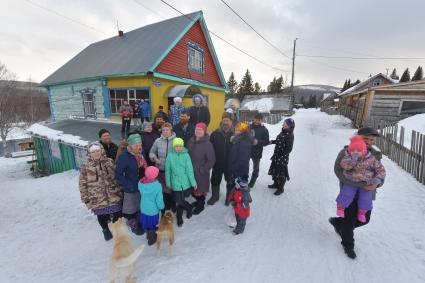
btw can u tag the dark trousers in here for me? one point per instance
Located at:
(347, 224)
(125, 127)
(255, 170)
(217, 175)
(106, 218)
(169, 202)
(240, 224)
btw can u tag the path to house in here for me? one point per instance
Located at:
(46, 235)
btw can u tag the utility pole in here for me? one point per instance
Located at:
(292, 97)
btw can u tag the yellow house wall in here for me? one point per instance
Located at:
(157, 94)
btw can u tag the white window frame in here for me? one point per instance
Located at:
(131, 97)
(195, 57)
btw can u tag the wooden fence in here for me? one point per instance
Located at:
(391, 143)
(268, 118)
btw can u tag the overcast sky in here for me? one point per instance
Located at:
(35, 42)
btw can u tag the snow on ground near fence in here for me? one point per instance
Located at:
(413, 123)
(46, 234)
(56, 135)
(16, 133)
(263, 105)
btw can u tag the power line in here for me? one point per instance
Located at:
(66, 17)
(149, 9)
(224, 40)
(336, 67)
(361, 58)
(265, 39)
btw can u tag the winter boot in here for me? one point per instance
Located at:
(189, 210)
(215, 195)
(135, 226)
(151, 236)
(350, 252)
(335, 223)
(240, 226)
(200, 205)
(179, 215)
(107, 234)
(340, 211)
(361, 215)
(279, 190)
(272, 186)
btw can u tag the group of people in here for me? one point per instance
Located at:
(163, 165)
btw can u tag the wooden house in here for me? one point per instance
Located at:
(330, 103)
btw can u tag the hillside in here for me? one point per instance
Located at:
(306, 91)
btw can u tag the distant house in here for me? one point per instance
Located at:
(157, 62)
(329, 103)
(18, 140)
(352, 102)
(273, 105)
(390, 102)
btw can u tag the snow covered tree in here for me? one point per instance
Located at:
(8, 114)
(405, 77)
(394, 75)
(419, 74)
(233, 85)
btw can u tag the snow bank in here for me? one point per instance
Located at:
(17, 133)
(261, 105)
(413, 123)
(309, 87)
(56, 135)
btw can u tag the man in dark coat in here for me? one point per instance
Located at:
(108, 145)
(220, 140)
(261, 139)
(279, 167)
(199, 112)
(345, 226)
(240, 153)
(184, 129)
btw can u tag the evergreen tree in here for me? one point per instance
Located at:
(257, 88)
(272, 86)
(246, 86)
(233, 85)
(405, 77)
(302, 101)
(349, 84)
(344, 86)
(279, 84)
(312, 102)
(356, 82)
(394, 75)
(419, 75)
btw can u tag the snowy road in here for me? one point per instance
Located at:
(46, 235)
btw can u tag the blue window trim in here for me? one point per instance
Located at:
(195, 47)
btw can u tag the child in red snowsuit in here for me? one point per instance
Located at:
(240, 198)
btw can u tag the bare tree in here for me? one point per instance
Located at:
(8, 116)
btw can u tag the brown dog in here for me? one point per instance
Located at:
(123, 256)
(166, 229)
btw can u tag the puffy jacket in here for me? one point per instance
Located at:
(199, 114)
(175, 112)
(152, 201)
(240, 154)
(185, 134)
(144, 109)
(110, 149)
(240, 200)
(179, 174)
(261, 134)
(222, 145)
(160, 149)
(127, 172)
(97, 184)
(126, 111)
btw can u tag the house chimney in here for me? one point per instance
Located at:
(120, 33)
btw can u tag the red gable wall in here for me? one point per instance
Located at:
(176, 62)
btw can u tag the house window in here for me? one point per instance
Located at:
(195, 57)
(377, 82)
(410, 107)
(117, 96)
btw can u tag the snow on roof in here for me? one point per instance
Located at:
(261, 105)
(361, 84)
(38, 129)
(265, 103)
(413, 123)
(17, 133)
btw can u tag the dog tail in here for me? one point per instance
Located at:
(129, 260)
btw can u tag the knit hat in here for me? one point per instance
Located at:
(357, 143)
(202, 126)
(227, 115)
(151, 172)
(146, 124)
(177, 99)
(198, 96)
(178, 141)
(290, 122)
(93, 147)
(242, 127)
(134, 139)
(241, 183)
(229, 110)
(103, 131)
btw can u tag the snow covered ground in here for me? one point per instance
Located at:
(46, 235)
(413, 123)
(263, 105)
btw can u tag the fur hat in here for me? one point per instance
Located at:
(177, 99)
(227, 115)
(357, 143)
(93, 147)
(151, 172)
